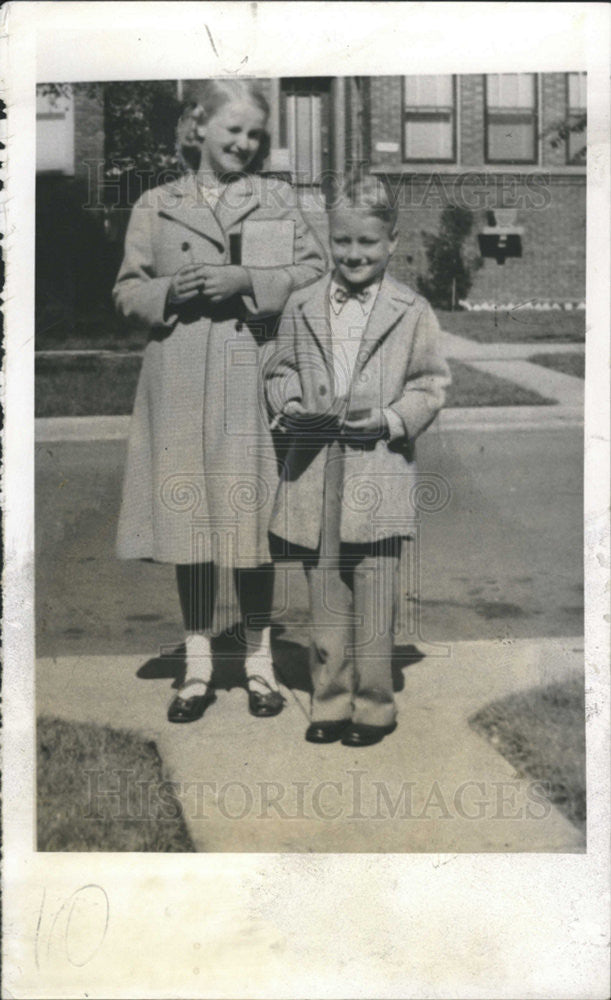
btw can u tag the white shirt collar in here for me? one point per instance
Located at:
(366, 307)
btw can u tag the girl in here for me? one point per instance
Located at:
(210, 260)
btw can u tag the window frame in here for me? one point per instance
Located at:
(53, 111)
(454, 131)
(570, 160)
(488, 159)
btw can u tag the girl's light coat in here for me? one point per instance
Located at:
(201, 469)
(399, 365)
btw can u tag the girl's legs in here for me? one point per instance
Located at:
(255, 588)
(197, 591)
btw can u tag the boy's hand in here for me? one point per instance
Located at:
(367, 427)
(292, 413)
(220, 282)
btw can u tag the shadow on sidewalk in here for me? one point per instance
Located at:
(290, 660)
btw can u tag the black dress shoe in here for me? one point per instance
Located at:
(326, 732)
(190, 709)
(264, 704)
(361, 735)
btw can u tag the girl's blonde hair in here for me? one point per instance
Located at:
(203, 100)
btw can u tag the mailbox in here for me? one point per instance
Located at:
(502, 238)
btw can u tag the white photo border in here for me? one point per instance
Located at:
(464, 926)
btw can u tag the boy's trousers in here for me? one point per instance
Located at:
(352, 599)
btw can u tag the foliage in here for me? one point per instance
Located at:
(450, 272)
(144, 122)
(140, 123)
(559, 132)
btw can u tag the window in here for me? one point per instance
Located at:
(577, 106)
(511, 129)
(55, 131)
(429, 119)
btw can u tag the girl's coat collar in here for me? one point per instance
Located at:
(190, 208)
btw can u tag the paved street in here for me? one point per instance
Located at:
(502, 560)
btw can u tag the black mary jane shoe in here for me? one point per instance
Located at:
(190, 709)
(361, 735)
(264, 705)
(327, 731)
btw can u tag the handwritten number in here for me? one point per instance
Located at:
(86, 913)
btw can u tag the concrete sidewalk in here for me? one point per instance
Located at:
(465, 349)
(510, 361)
(494, 418)
(255, 785)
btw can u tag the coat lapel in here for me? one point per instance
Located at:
(315, 311)
(186, 205)
(238, 200)
(389, 306)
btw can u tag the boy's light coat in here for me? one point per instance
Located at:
(399, 365)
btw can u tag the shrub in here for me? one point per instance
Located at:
(450, 273)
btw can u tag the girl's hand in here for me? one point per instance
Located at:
(222, 281)
(186, 283)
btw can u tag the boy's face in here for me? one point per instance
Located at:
(361, 245)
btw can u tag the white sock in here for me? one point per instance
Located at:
(258, 662)
(199, 663)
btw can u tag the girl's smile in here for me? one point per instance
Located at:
(232, 137)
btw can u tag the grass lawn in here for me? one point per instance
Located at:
(100, 328)
(517, 326)
(85, 386)
(106, 386)
(97, 329)
(568, 364)
(77, 764)
(471, 387)
(541, 733)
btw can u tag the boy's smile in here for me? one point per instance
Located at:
(361, 245)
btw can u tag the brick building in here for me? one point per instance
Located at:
(479, 141)
(484, 142)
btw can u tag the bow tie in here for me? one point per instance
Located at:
(341, 295)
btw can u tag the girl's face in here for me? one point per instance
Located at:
(232, 137)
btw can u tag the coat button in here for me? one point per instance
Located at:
(185, 247)
(322, 390)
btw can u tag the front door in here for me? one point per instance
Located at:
(305, 116)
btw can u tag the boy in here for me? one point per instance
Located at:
(355, 377)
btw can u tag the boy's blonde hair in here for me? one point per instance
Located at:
(367, 193)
